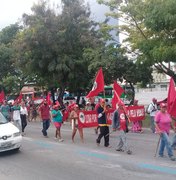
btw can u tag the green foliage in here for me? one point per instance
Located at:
(52, 44)
(8, 69)
(150, 26)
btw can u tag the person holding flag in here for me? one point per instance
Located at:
(102, 122)
(97, 88)
(98, 85)
(120, 119)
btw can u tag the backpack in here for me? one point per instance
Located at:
(147, 109)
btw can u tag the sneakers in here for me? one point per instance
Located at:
(108, 146)
(129, 152)
(61, 140)
(172, 158)
(98, 144)
(96, 131)
(119, 149)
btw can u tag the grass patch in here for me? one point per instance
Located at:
(146, 122)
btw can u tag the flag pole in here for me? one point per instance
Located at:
(104, 94)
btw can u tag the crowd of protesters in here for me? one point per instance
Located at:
(21, 112)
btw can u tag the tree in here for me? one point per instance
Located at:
(150, 27)
(9, 71)
(52, 44)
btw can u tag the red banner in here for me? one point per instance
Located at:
(89, 118)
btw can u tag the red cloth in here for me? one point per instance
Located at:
(19, 98)
(45, 112)
(48, 98)
(2, 96)
(122, 120)
(117, 93)
(171, 99)
(98, 84)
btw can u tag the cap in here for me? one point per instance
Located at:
(55, 106)
(163, 105)
(102, 101)
(76, 106)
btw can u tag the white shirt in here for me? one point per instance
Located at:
(152, 109)
(23, 110)
(16, 115)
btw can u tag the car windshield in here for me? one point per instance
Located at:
(3, 120)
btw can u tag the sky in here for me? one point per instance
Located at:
(11, 10)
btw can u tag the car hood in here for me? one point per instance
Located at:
(8, 129)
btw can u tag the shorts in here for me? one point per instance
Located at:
(57, 124)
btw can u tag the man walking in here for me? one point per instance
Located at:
(120, 122)
(152, 109)
(102, 122)
(44, 112)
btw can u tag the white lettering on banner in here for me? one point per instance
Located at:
(136, 112)
(109, 116)
(140, 112)
(132, 113)
(90, 118)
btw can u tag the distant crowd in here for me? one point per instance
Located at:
(20, 113)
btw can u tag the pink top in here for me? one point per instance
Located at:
(163, 120)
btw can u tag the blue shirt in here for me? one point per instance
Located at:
(57, 117)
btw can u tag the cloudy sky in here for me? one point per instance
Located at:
(11, 10)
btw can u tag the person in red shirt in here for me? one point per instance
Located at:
(44, 112)
(120, 122)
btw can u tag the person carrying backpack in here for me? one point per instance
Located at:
(152, 109)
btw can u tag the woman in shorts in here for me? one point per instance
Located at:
(57, 121)
(74, 123)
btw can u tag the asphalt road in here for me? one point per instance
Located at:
(47, 159)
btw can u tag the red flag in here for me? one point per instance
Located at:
(98, 85)
(117, 93)
(19, 98)
(48, 98)
(171, 99)
(116, 98)
(2, 96)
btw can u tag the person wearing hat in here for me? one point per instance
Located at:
(120, 123)
(57, 121)
(88, 106)
(44, 113)
(163, 125)
(74, 123)
(152, 109)
(102, 122)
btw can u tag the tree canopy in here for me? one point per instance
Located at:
(150, 29)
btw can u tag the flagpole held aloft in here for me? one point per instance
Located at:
(98, 85)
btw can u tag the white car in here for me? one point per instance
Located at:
(10, 136)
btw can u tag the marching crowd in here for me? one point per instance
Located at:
(160, 121)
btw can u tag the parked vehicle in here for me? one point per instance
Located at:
(10, 135)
